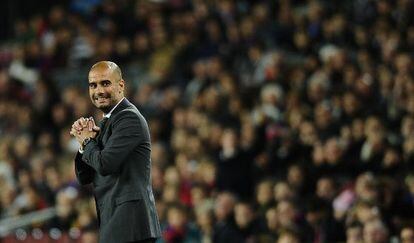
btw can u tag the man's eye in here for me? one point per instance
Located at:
(106, 84)
(92, 85)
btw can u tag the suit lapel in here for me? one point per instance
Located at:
(104, 123)
(123, 105)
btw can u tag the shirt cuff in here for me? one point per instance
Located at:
(81, 150)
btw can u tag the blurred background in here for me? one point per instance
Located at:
(271, 121)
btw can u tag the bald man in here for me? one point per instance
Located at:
(115, 158)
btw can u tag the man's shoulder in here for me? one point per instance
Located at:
(125, 107)
(130, 111)
(129, 117)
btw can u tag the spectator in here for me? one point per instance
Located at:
(234, 167)
(264, 196)
(354, 233)
(375, 231)
(245, 221)
(288, 236)
(224, 228)
(267, 105)
(407, 235)
(178, 228)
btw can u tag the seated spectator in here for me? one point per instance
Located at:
(407, 235)
(179, 228)
(354, 233)
(375, 231)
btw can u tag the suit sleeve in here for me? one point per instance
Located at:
(84, 173)
(126, 135)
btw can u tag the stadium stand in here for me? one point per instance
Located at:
(271, 121)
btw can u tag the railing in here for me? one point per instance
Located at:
(19, 229)
(39, 236)
(9, 225)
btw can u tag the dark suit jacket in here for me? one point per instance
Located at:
(118, 164)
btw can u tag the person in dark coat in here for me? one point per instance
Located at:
(115, 158)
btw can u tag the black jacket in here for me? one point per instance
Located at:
(118, 164)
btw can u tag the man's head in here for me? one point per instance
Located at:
(224, 205)
(354, 233)
(407, 234)
(106, 86)
(375, 231)
(243, 215)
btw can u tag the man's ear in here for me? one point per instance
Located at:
(122, 84)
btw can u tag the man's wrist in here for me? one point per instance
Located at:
(85, 142)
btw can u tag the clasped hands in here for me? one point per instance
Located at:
(84, 128)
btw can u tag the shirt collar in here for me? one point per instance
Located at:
(107, 115)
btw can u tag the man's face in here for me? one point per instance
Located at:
(407, 235)
(105, 88)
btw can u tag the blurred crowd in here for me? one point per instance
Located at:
(271, 121)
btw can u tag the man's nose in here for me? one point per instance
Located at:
(99, 89)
